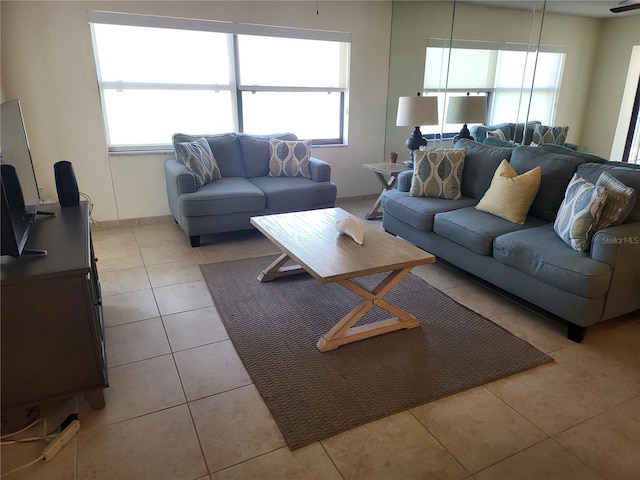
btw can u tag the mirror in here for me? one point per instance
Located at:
(566, 56)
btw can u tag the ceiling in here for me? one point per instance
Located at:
(584, 8)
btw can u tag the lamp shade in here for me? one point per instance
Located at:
(467, 110)
(416, 111)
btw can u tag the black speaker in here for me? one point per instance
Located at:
(12, 188)
(66, 184)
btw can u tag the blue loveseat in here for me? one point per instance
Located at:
(245, 189)
(529, 261)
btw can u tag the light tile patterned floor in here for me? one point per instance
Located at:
(182, 407)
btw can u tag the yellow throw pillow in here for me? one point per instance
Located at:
(510, 195)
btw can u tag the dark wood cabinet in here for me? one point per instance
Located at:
(51, 324)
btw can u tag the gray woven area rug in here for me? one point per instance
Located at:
(312, 395)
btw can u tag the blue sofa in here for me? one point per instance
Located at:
(514, 133)
(529, 261)
(245, 189)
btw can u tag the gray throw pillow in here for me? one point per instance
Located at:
(197, 157)
(620, 201)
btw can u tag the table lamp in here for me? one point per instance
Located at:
(466, 110)
(413, 112)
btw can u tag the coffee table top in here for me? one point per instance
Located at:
(312, 240)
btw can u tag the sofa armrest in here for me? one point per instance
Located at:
(179, 180)
(572, 146)
(320, 170)
(404, 181)
(619, 247)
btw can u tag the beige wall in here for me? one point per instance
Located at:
(415, 22)
(615, 46)
(47, 62)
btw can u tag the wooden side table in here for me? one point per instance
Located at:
(380, 170)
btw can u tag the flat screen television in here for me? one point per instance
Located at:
(20, 198)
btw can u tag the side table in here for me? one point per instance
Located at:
(380, 170)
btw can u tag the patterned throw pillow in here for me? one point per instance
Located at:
(437, 173)
(198, 158)
(579, 213)
(499, 134)
(556, 135)
(620, 201)
(289, 158)
(510, 195)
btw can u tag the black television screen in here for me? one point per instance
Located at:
(19, 197)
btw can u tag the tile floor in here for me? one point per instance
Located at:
(182, 407)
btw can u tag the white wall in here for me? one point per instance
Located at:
(415, 22)
(47, 62)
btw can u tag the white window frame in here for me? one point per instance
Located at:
(233, 29)
(490, 89)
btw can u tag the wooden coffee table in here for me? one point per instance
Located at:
(310, 240)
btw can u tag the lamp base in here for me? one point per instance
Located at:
(415, 141)
(464, 133)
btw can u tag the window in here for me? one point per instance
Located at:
(158, 76)
(508, 74)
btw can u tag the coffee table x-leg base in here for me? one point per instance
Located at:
(344, 331)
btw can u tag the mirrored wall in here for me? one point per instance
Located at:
(522, 61)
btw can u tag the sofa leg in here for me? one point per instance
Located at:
(195, 240)
(576, 332)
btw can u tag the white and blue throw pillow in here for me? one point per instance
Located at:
(199, 159)
(289, 158)
(579, 213)
(438, 173)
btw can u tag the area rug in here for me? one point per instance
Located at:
(312, 395)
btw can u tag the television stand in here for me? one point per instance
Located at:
(34, 252)
(52, 343)
(46, 213)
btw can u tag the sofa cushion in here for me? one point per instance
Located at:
(418, 212)
(480, 162)
(620, 201)
(294, 193)
(225, 148)
(289, 158)
(539, 252)
(557, 170)
(579, 213)
(556, 135)
(587, 157)
(480, 132)
(227, 195)
(475, 229)
(256, 152)
(629, 174)
(510, 195)
(496, 142)
(437, 173)
(197, 157)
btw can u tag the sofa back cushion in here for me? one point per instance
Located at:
(255, 152)
(480, 132)
(628, 174)
(587, 157)
(557, 171)
(480, 162)
(225, 148)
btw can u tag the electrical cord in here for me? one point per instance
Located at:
(88, 199)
